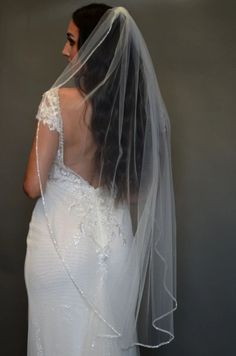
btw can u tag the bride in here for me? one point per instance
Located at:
(100, 261)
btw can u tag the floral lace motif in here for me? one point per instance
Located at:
(48, 111)
(93, 206)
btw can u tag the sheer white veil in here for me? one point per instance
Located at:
(130, 124)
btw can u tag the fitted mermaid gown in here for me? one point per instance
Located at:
(77, 247)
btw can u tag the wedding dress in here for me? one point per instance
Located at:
(100, 267)
(93, 238)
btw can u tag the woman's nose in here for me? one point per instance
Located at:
(65, 50)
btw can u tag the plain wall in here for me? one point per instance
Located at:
(192, 44)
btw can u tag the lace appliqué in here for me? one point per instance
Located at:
(48, 111)
(97, 221)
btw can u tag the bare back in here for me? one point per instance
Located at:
(79, 145)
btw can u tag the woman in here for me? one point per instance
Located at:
(100, 263)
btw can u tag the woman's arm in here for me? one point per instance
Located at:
(47, 148)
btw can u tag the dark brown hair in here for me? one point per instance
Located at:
(127, 164)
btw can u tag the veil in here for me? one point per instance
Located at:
(114, 73)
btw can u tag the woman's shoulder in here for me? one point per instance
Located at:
(72, 105)
(69, 96)
(66, 97)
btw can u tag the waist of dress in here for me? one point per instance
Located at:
(59, 173)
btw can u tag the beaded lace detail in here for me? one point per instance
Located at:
(48, 111)
(82, 192)
(94, 207)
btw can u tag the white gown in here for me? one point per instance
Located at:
(72, 272)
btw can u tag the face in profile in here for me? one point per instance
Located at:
(70, 48)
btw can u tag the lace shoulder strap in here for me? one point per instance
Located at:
(49, 111)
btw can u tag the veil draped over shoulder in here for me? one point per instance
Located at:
(114, 73)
